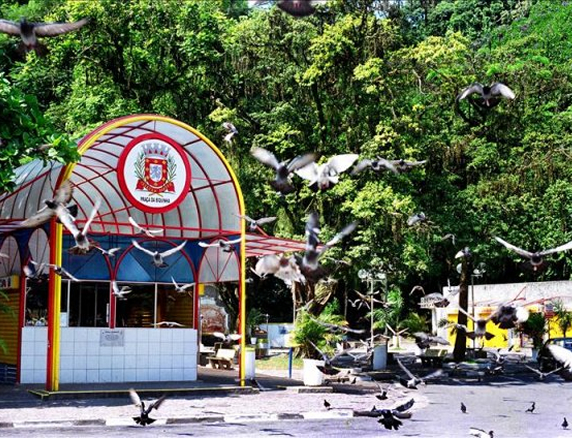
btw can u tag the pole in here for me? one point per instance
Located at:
(371, 307)
(473, 305)
(290, 354)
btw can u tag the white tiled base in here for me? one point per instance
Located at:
(147, 355)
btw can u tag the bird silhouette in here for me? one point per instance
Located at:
(254, 224)
(29, 32)
(536, 259)
(413, 380)
(231, 132)
(283, 169)
(57, 206)
(389, 421)
(82, 244)
(382, 392)
(108, 252)
(297, 8)
(327, 404)
(325, 176)
(480, 433)
(541, 376)
(309, 263)
(225, 245)
(565, 424)
(463, 408)
(120, 293)
(488, 96)
(379, 165)
(59, 270)
(140, 229)
(158, 257)
(181, 288)
(425, 340)
(508, 316)
(417, 218)
(532, 408)
(480, 326)
(143, 419)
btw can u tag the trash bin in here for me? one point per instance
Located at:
(250, 363)
(312, 375)
(380, 357)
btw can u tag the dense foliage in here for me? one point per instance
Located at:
(373, 77)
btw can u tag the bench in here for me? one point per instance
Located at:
(433, 357)
(223, 358)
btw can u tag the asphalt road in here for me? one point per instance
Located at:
(498, 405)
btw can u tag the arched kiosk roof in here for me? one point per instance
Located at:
(206, 212)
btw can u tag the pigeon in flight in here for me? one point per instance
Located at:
(82, 244)
(425, 340)
(169, 324)
(480, 433)
(57, 206)
(488, 96)
(181, 288)
(284, 268)
(254, 224)
(232, 337)
(532, 408)
(297, 8)
(30, 31)
(389, 421)
(438, 299)
(325, 176)
(231, 132)
(464, 253)
(120, 293)
(417, 218)
(34, 273)
(108, 252)
(377, 166)
(143, 419)
(283, 169)
(480, 327)
(534, 258)
(413, 380)
(147, 231)
(463, 408)
(225, 245)
(59, 270)
(310, 263)
(509, 316)
(158, 257)
(540, 374)
(561, 355)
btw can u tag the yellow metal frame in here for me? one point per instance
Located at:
(68, 170)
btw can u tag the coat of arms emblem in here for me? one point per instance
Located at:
(155, 169)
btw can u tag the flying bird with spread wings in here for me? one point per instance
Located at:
(327, 175)
(147, 231)
(158, 258)
(82, 244)
(143, 419)
(283, 169)
(231, 132)
(535, 259)
(488, 96)
(57, 206)
(29, 32)
(254, 224)
(225, 245)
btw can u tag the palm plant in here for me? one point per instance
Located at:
(308, 331)
(563, 317)
(535, 328)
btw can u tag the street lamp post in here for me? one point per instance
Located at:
(368, 277)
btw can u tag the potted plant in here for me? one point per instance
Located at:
(308, 331)
(535, 327)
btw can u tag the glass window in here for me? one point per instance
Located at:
(137, 310)
(174, 309)
(36, 302)
(88, 304)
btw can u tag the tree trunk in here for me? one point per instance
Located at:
(461, 339)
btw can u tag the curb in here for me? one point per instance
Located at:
(149, 392)
(127, 421)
